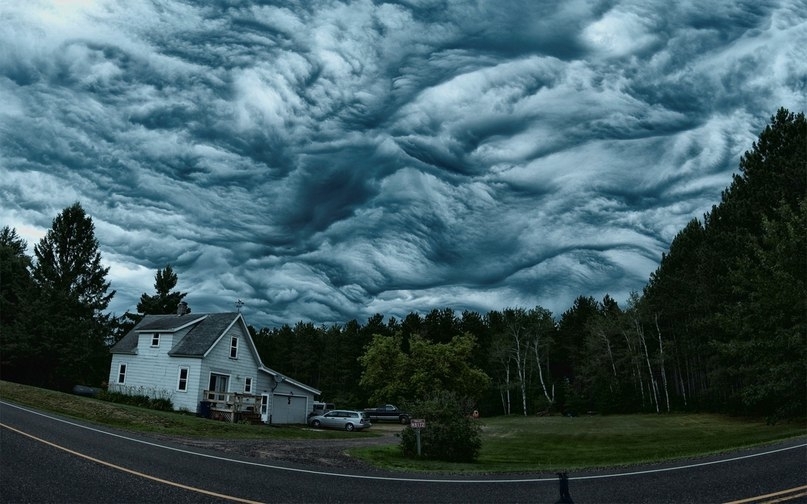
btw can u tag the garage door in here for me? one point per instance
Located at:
(289, 409)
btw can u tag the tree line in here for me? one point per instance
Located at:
(720, 325)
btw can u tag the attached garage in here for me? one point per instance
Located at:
(284, 400)
(289, 409)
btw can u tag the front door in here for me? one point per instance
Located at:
(218, 387)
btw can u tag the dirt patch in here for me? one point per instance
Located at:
(320, 452)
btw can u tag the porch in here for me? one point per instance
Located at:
(231, 407)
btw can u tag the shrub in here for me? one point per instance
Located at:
(141, 401)
(450, 434)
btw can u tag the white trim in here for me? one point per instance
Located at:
(291, 381)
(122, 369)
(219, 373)
(179, 378)
(234, 347)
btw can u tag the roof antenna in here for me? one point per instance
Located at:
(238, 305)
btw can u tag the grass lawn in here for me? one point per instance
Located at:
(509, 444)
(156, 422)
(556, 443)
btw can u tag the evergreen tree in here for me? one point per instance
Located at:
(165, 302)
(729, 296)
(16, 292)
(70, 326)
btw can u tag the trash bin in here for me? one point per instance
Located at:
(204, 409)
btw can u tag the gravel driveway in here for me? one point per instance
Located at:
(321, 452)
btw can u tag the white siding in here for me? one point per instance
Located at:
(146, 372)
(152, 372)
(218, 361)
(187, 400)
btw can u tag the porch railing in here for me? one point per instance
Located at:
(233, 406)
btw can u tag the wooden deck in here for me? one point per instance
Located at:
(234, 407)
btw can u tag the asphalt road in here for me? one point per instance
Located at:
(47, 458)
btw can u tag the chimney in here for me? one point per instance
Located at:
(182, 308)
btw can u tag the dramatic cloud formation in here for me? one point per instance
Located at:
(329, 160)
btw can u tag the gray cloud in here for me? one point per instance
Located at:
(333, 160)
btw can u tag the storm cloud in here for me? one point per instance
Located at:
(329, 160)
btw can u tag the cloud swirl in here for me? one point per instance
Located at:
(329, 160)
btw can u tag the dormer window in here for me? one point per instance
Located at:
(155, 339)
(234, 348)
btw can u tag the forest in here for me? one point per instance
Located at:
(719, 326)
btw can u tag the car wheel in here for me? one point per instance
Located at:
(315, 424)
(349, 427)
(404, 420)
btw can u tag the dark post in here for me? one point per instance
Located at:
(565, 497)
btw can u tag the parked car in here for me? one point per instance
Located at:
(341, 419)
(388, 413)
(320, 408)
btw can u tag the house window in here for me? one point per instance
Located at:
(155, 339)
(122, 373)
(248, 385)
(182, 385)
(234, 348)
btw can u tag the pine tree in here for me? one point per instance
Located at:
(70, 327)
(166, 300)
(16, 291)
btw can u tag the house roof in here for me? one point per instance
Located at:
(278, 376)
(203, 335)
(205, 330)
(168, 323)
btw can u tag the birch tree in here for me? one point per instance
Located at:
(661, 363)
(501, 357)
(515, 323)
(541, 330)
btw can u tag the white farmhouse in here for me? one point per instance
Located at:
(199, 360)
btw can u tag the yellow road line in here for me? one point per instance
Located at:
(783, 499)
(782, 496)
(130, 471)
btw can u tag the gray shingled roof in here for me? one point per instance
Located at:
(202, 336)
(207, 328)
(167, 323)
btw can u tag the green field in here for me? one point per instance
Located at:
(509, 444)
(556, 443)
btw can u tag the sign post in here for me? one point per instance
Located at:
(417, 424)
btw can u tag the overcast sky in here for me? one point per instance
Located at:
(329, 160)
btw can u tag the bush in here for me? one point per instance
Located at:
(141, 401)
(450, 434)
